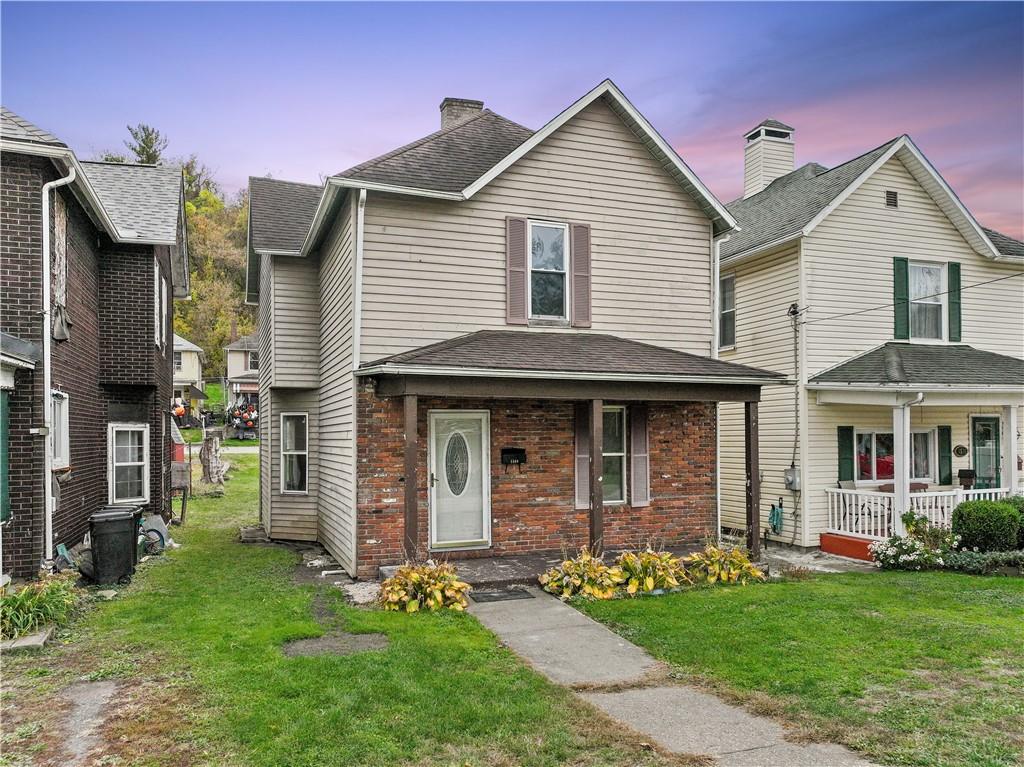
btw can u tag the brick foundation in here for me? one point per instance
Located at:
(533, 509)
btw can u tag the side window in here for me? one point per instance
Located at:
(254, 360)
(60, 436)
(549, 267)
(727, 312)
(128, 462)
(157, 330)
(294, 453)
(177, 361)
(613, 449)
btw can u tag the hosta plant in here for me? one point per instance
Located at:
(584, 575)
(424, 586)
(718, 565)
(34, 605)
(647, 571)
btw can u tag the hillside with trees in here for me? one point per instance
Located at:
(217, 229)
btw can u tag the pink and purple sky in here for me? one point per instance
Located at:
(304, 90)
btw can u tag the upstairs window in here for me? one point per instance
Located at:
(254, 360)
(549, 250)
(892, 199)
(157, 330)
(927, 301)
(177, 362)
(727, 312)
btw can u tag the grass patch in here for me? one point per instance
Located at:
(909, 668)
(195, 437)
(195, 646)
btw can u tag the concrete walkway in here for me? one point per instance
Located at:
(629, 685)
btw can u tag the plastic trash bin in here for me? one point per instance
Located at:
(113, 531)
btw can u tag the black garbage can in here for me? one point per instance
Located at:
(113, 531)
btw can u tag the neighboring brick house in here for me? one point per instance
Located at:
(494, 341)
(116, 256)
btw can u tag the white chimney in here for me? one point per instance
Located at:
(767, 155)
(454, 111)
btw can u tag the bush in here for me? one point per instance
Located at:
(583, 575)
(430, 585)
(986, 525)
(646, 571)
(904, 553)
(933, 536)
(1017, 501)
(717, 565)
(37, 604)
(978, 563)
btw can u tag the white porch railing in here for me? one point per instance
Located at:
(869, 514)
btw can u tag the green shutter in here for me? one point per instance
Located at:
(5, 472)
(953, 285)
(945, 455)
(901, 298)
(846, 462)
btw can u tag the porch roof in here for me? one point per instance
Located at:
(901, 364)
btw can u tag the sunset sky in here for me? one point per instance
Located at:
(304, 90)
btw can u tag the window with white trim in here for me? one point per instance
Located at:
(128, 462)
(294, 453)
(177, 362)
(876, 459)
(254, 360)
(165, 306)
(613, 481)
(927, 301)
(549, 269)
(727, 311)
(157, 331)
(60, 434)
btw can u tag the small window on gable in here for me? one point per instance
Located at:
(892, 198)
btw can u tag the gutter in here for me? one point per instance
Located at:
(47, 372)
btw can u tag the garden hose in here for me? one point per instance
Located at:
(775, 519)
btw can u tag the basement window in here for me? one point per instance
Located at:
(892, 199)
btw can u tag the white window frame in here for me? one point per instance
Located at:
(60, 424)
(178, 360)
(248, 360)
(722, 311)
(943, 302)
(933, 445)
(621, 456)
(164, 310)
(156, 301)
(112, 430)
(567, 272)
(282, 453)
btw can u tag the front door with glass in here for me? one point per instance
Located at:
(985, 447)
(460, 479)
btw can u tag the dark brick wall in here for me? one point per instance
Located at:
(534, 510)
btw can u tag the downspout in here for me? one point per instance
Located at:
(47, 373)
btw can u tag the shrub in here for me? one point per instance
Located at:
(904, 553)
(646, 571)
(37, 604)
(429, 585)
(718, 565)
(934, 537)
(1017, 501)
(978, 563)
(583, 575)
(986, 525)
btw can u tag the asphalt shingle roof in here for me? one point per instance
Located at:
(18, 128)
(1005, 244)
(280, 213)
(143, 201)
(448, 160)
(910, 364)
(250, 342)
(19, 347)
(184, 345)
(790, 202)
(568, 353)
(771, 123)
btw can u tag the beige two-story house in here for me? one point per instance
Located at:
(494, 341)
(242, 365)
(900, 319)
(188, 376)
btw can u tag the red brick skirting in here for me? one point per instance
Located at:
(846, 546)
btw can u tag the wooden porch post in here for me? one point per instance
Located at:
(596, 475)
(753, 481)
(411, 455)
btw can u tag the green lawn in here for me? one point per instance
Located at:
(195, 437)
(214, 395)
(909, 668)
(196, 641)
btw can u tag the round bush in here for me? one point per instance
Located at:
(986, 525)
(1017, 501)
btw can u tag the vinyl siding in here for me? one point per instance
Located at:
(191, 370)
(235, 361)
(433, 270)
(763, 162)
(337, 425)
(265, 335)
(765, 288)
(294, 516)
(296, 322)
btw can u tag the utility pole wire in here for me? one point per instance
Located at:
(889, 306)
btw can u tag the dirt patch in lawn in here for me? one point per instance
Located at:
(336, 643)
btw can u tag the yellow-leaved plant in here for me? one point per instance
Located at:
(649, 570)
(718, 565)
(584, 575)
(428, 586)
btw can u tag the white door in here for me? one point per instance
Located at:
(460, 479)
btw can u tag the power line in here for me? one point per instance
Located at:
(889, 306)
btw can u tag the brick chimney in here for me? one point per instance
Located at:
(454, 111)
(767, 156)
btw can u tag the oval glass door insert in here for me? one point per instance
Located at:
(456, 463)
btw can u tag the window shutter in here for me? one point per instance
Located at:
(580, 256)
(953, 285)
(582, 456)
(846, 457)
(640, 462)
(516, 271)
(901, 298)
(945, 434)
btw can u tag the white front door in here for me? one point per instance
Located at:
(460, 479)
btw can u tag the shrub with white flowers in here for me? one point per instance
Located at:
(925, 546)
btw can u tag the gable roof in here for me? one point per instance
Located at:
(280, 213)
(250, 343)
(18, 128)
(142, 200)
(1006, 245)
(596, 355)
(184, 345)
(908, 364)
(793, 205)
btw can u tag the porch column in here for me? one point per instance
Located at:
(1009, 474)
(596, 475)
(901, 466)
(753, 472)
(411, 540)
